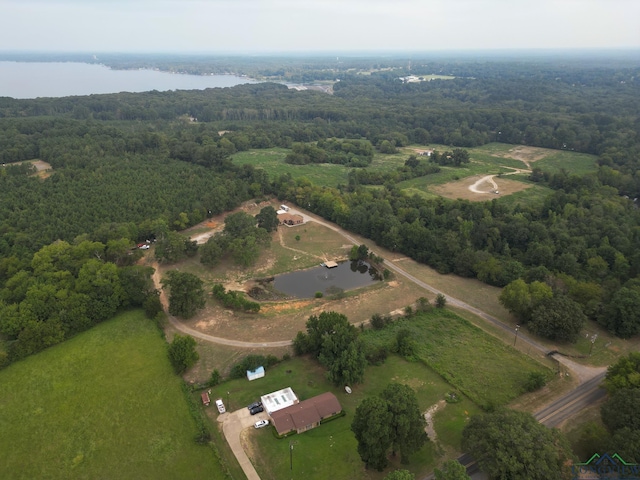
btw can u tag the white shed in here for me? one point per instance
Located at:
(257, 373)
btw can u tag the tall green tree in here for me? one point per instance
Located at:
(558, 318)
(372, 428)
(625, 373)
(389, 421)
(510, 444)
(186, 293)
(182, 353)
(451, 470)
(400, 475)
(268, 219)
(407, 422)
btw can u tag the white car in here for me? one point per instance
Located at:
(220, 406)
(261, 423)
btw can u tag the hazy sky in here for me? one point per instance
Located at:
(255, 26)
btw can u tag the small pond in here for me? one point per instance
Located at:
(329, 281)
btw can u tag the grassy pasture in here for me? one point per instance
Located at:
(272, 160)
(450, 345)
(576, 163)
(105, 404)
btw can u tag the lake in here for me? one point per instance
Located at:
(346, 276)
(62, 79)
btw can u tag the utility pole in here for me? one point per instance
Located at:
(593, 340)
(516, 339)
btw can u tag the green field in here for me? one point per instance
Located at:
(492, 158)
(104, 404)
(480, 366)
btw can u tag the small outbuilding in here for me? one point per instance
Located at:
(205, 399)
(254, 374)
(290, 219)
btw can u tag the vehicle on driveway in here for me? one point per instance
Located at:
(220, 406)
(261, 423)
(257, 409)
(254, 405)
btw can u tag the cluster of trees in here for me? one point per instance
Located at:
(621, 412)
(67, 289)
(390, 422)
(351, 153)
(234, 300)
(186, 293)
(454, 158)
(511, 444)
(243, 238)
(334, 342)
(412, 168)
(552, 314)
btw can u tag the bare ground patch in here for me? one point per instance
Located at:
(526, 155)
(460, 188)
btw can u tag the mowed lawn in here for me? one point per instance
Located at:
(103, 405)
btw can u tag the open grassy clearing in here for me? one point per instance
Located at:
(572, 162)
(104, 404)
(272, 160)
(450, 345)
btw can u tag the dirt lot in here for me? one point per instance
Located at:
(460, 188)
(526, 155)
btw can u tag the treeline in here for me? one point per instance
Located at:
(67, 289)
(351, 153)
(413, 167)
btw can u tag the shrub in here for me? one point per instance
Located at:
(182, 353)
(441, 300)
(251, 362)
(535, 381)
(319, 294)
(377, 321)
(376, 355)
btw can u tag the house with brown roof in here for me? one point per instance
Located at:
(290, 219)
(307, 414)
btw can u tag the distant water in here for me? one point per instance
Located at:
(50, 79)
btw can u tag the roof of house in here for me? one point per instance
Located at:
(306, 413)
(272, 402)
(294, 217)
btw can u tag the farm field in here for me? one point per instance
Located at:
(104, 404)
(450, 345)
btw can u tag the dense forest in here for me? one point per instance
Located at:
(133, 167)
